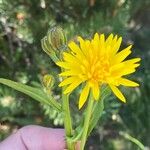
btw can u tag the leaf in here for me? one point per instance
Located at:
(98, 109)
(35, 93)
(77, 132)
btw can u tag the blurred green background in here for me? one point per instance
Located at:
(22, 25)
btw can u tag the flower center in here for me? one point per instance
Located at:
(96, 70)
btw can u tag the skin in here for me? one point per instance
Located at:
(34, 137)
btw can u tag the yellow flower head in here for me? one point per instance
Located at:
(94, 63)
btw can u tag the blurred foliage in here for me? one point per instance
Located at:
(22, 25)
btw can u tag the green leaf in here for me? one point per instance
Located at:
(98, 108)
(77, 132)
(35, 93)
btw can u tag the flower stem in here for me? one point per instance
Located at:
(87, 121)
(132, 139)
(67, 120)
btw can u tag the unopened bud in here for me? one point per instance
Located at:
(48, 81)
(46, 46)
(56, 37)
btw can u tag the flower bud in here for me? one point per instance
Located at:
(48, 81)
(46, 46)
(56, 38)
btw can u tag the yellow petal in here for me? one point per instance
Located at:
(84, 45)
(95, 43)
(70, 58)
(84, 96)
(95, 91)
(118, 93)
(127, 71)
(63, 64)
(114, 40)
(96, 38)
(123, 68)
(101, 44)
(127, 82)
(76, 49)
(72, 86)
(109, 39)
(102, 39)
(132, 61)
(67, 81)
(116, 46)
(69, 73)
(117, 67)
(69, 65)
(119, 57)
(136, 65)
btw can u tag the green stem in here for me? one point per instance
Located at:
(87, 121)
(67, 120)
(132, 139)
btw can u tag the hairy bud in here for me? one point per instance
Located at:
(56, 38)
(48, 81)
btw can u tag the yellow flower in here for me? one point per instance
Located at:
(94, 63)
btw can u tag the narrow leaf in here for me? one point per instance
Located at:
(35, 93)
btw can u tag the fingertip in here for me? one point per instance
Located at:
(37, 137)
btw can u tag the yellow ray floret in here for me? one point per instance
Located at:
(96, 62)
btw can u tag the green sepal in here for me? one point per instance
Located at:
(36, 93)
